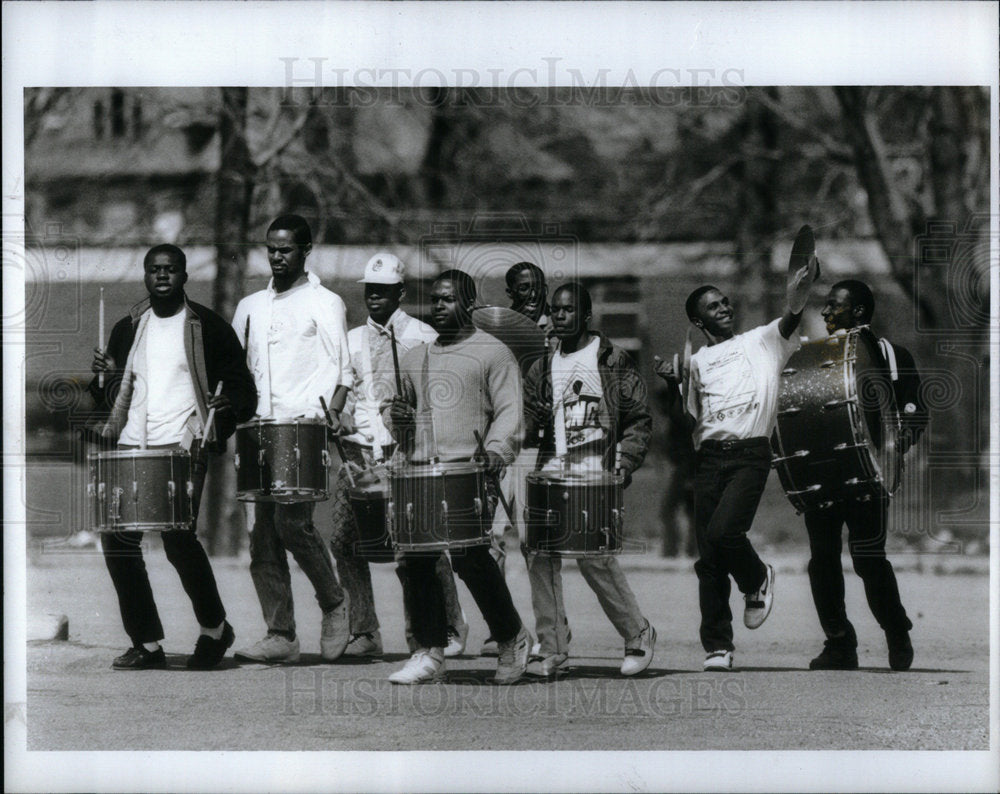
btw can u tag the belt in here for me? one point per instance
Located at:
(730, 444)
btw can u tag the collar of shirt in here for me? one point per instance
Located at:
(310, 278)
(392, 322)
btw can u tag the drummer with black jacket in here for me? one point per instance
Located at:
(851, 304)
(160, 370)
(592, 406)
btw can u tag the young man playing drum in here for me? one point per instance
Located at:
(732, 397)
(466, 382)
(370, 444)
(160, 372)
(851, 304)
(592, 403)
(295, 332)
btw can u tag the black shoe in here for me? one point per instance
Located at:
(140, 659)
(900, 650)
(835, 657)
(209, 652)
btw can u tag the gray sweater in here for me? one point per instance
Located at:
(456, 389)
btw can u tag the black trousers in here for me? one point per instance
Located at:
(424, 596)
(729, 481)
(866, 533)
(123, 556)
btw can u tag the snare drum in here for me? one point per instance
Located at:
(574, 515)
(439, 506)
(141, 490)
(370, 502)
(282, 460)
(837, 428)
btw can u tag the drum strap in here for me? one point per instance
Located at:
(890, 358)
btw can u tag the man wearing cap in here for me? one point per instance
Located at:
(370, 444)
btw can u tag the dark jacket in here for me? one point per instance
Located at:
(623, 410)
(214, 354)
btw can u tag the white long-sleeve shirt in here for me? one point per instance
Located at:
(296, 347)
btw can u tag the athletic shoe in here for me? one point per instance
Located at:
(456, 640)
(513, 659)
(639, 651)
(536, 654)
(719, 661)
(490, 648)
(551, 664)
(368, 644)
(139, 658)
(835, 657)
(900, 650)
(208, 652)
(758, 604)
(336, 631)
(273, 648)
(424, 667)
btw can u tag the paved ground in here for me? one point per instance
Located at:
(76, 702)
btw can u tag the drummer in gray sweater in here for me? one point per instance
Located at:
(465, 382)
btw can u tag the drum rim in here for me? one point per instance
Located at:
(859, 425)
(125, 454)
(282, 421)
(572, 478)
(435, 469)
(145, 526)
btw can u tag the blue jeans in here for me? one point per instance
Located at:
(279, 528)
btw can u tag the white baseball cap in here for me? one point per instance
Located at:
(383, 268)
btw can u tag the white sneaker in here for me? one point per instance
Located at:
(536, 654)
(273, 648)
(490, 648)
(369, 644)
(719, 661)
(758, 604)
(551, 664)
(513, 659)
(336, 631)
(639, 651)
(456, 640)
(424, 667)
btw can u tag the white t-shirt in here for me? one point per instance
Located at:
(734, 384)
(297, 347)
(576, 395)
(164, 395)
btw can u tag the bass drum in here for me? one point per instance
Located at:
(837, 429)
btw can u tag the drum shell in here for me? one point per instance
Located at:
(282, 460)
(441, 506)
(574, 516)
(141, 490)
(836, 431)
(370, 504)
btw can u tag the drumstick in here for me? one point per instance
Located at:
(395, 361)
(211, 415)
(100, 334)
(337, 444)
(503, 499)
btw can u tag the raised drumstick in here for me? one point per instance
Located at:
(336, 443)
(211, 415)
(100, 334)
(503, 499)
(395, 361)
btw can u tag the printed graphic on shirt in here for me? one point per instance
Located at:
(578, 388)
(730, 386)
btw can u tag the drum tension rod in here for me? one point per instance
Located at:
(799, 453)
(789, 411)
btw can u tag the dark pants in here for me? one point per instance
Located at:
(866, 533)
(123, 556)
(424, 596)
(729, 481)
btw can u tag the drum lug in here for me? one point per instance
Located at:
(298, 455)
(409, 514)
(135, 491)
(114, 511)
(236, 461)
(844, 445)
(828, 364)
(832, 404)
(825, 505)
(477, 506)
(171, 489)
(91, 492)
(810, 489)
(799, 453)
(789, 371)
(444, 512)
(585, 520)
(102, 492)
(550, 518)
(190, 490)
(325, 454)
(789, 411)
(261, 457)
(617, 517)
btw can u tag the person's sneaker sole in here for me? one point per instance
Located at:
(647, 659)
(755, 619)
(719, 663)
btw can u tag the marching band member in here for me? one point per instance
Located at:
(296, 336)
(370, 443)
(593, 390)
(851, 304)
(161, 368)
(463, 383)
(733, 400)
